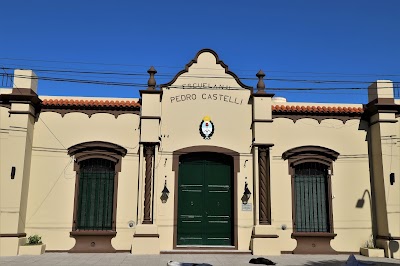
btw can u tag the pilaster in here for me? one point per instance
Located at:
(264, 239)
(16, 151)
(383, 115)
(146, 237)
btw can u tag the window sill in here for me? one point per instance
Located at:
(313, 234)
(93, 241)
(93, 233)
(313, 243)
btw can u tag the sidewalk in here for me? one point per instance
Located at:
(161, 260)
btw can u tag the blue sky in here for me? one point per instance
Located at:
(355, 41)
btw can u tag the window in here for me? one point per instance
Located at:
(310, 197)
(97, 165)
(310, 168)
(96, 195)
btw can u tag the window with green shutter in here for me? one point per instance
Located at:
(96, 195)
(311, 198)
(310, 168)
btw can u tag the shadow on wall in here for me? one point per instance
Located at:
(393, 247)
(360, 202)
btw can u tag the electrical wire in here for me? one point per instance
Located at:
(186, 76)
(127, 84)
(14, 86)
(179, 67)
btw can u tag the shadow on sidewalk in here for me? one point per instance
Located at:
(343, 262)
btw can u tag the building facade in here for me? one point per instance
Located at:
(201, 163)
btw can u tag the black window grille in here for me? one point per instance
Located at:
(96, 195)
(311, 198)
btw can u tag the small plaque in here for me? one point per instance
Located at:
(247, 207)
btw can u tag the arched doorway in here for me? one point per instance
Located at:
(205, 205)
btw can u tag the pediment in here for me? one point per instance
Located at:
(206, 71)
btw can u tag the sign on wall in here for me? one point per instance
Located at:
(247, 207)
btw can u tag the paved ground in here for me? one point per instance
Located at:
(161, 260)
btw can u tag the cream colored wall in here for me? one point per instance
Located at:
(182, 111)
(349, 180)
(7, 208)
(4, 167)
(181, 120)
(15, 151)
(180, 129)
(52, 183)
(391, 164)
(52, 178)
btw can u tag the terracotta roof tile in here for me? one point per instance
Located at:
(317, 109)
(51, 103)
(59, 103)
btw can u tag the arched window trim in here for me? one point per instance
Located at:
(296, 162)
(97, 145)
(95, 150)
(310, 153)
(83, 157)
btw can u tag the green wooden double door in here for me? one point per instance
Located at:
(205, 200)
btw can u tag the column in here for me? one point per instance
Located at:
(149, 154)
(264, 185)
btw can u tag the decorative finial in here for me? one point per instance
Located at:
(260, 84)
(151, 83)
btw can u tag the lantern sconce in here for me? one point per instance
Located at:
(164, 193)
(246, 194)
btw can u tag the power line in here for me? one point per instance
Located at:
(102, 82)
(196, 76)
(180, 67)
(14, 86)
(36, 67)
(325, 90)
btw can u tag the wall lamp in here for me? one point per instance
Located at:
(246, 194)
(164, 193)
